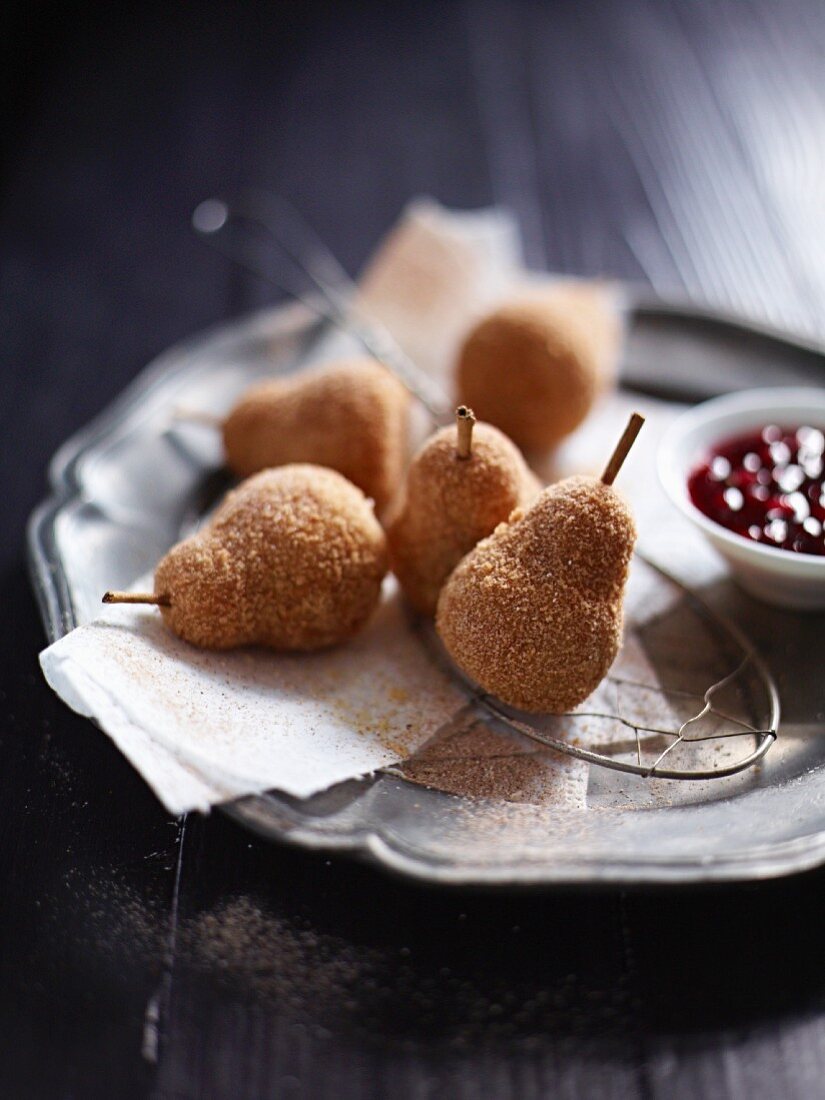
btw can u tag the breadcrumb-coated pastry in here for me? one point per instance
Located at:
(293, 559)
(451, 502)
(351, 415)
(534, 613)
(535, 365)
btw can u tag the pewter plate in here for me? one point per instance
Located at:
(124, 488)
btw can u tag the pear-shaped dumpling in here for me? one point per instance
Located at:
(535, 365)
(292, 559)
(463, 481)
(534, 614)
(351, 415)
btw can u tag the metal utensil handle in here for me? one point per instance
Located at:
(287, 231)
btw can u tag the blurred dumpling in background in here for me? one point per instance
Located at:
(535, 365)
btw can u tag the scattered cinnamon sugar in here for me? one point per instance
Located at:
(390, 986)
(475, 761)
(272, 957)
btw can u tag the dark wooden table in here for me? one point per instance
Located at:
(677, 143)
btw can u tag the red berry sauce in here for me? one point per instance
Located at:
(767, 486)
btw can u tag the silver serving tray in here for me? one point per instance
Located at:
(125, 487)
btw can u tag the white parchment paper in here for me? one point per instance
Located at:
(204, 727)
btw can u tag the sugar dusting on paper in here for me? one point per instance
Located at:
(252, 720)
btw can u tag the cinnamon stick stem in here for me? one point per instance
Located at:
(464, 419)
(137, 597)
(616, 460)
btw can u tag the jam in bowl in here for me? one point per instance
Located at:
(748, 471)
(767, 485)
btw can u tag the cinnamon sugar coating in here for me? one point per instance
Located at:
(534, 366)
(351, 415)
(534, 613)
(450, 504)
(293, 559)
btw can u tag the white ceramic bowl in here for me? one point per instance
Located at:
(779, 577)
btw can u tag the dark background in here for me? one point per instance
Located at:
(677, 143)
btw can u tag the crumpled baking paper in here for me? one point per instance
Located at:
(205, 727)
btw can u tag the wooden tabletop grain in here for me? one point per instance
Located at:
(674, 143)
